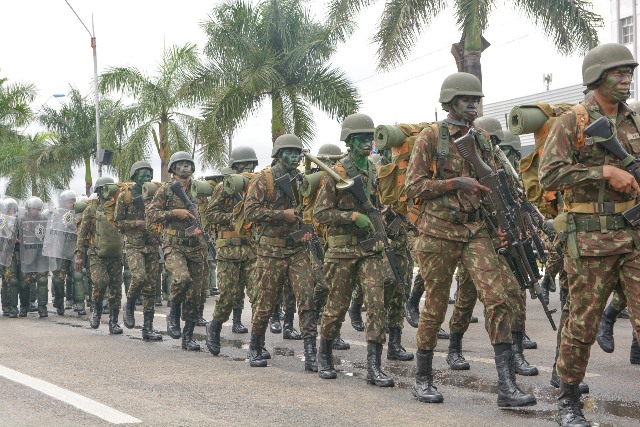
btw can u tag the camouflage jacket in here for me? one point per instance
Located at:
(578, 173)
(126, 215)
(86, 229)
(334, 209)
(267, 216)
(438, 206)
(219, 212)
(159, 212)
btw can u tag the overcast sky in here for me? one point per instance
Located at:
(44, 43)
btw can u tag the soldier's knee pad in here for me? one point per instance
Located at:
(43, 281)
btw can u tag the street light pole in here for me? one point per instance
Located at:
(95, 86)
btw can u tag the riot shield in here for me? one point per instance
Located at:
(32, 260)
(60, 238)
(8, 234)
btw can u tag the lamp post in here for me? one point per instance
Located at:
(92, 34)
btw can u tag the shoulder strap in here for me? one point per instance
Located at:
(270, 182)
(442, 151)
(582, 117)
(350, 167)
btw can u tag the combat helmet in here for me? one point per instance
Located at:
(34, 203)
(511, 140)
(491, 125)
(460, 84)
(287, 140)
(605, 57)
(179, 156)
(10, 203)
(101, 182)
(67, 195)
(329, 152)
(356, 123)
(242, 154)
(142, 164)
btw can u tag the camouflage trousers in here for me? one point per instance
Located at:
(591, 282)
(320, 288)
(63, 270)
(234, 274)
(13, 282)
(145, 267)
(204, 283)
(342, 275)
(438, 259)
(106, 273)
(270, 274)
(186, 266)
(466, 298)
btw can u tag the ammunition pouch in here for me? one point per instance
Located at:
(342, 240)
(609, 222)
(234, 241)
(605, 208)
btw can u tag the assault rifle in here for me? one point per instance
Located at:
(315, 247)
(602, 132)
(504, 211)
(177, 189)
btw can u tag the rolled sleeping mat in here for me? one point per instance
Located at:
(310, 183)
(202, 188)
(79, 207)
(149, 189)
(108, 190)
(387, 136)
(525, 119)
(234, 183)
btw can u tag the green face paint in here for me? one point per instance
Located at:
(142, 176)
(183, 169)
(616, 84)
(290, 158)
(361, 145)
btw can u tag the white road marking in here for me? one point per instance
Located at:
(85, 404)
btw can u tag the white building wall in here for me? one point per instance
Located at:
(621, 9)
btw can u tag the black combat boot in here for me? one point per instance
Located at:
(288, 331)
(114, 328)
(173, 321)
(255, 353)
(340, 344)
(570, 407)
(148, 333)
(412, 308)
(127, 313)
(624, 314)
(213, 337)
(528, 343)
(395, 351)
(605, 329)
(423, 389)
(265, 353)
(201, 320)
(473, 319)
(522, 366)
(274, 321)
(375, 375)
(355, 313)
(326, 371)
(238, 327)
(509, 395)
(634, 355)
(42, 311)
(555, 381)
(455, 359)
(187, 336)
(97, 313)
(443, 335)
(23, 311)
(310, 362)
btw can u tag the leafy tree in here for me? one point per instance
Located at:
(15, 109)
(569, 23)
(272, 52)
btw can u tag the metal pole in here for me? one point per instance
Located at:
(635, 48)
(97, 101)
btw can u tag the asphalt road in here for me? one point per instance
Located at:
(58, 371)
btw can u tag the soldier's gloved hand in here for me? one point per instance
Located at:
(182, 214)
(290, 215)
(77, 266)
(466, 184)
(361, 220)
(378, 247)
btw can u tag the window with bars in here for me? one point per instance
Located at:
(626, 30)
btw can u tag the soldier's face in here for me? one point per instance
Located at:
(244, 167)
(183, 169)
(34, 213)
(68, 204)
(616, 84)
(290, 157)
(465, 107)
(361, 144)
(142, 176)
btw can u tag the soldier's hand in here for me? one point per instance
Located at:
(378, 247)
(619, 179)
(197, 232)
(77, 266)
(290, 215)
(465, 184)
(504, 242)
(361, 220)
(182, 214)
(306, 238)
(140, 223)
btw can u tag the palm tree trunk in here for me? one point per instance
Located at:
(87, 176)
(467, 54)
(163, 152)
(34, 186)
(277, 114)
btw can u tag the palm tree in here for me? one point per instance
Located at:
(15, 109)
(273, 52)
(569, 23)
(161, 116)
(29, 169)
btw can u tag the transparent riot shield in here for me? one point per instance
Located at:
(8, 234)
(60, 238)
(32, 260)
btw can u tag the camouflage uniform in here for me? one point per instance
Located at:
(596, 256)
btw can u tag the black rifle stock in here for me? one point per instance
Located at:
(177, 189)
(601, 129)
(504, 213)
